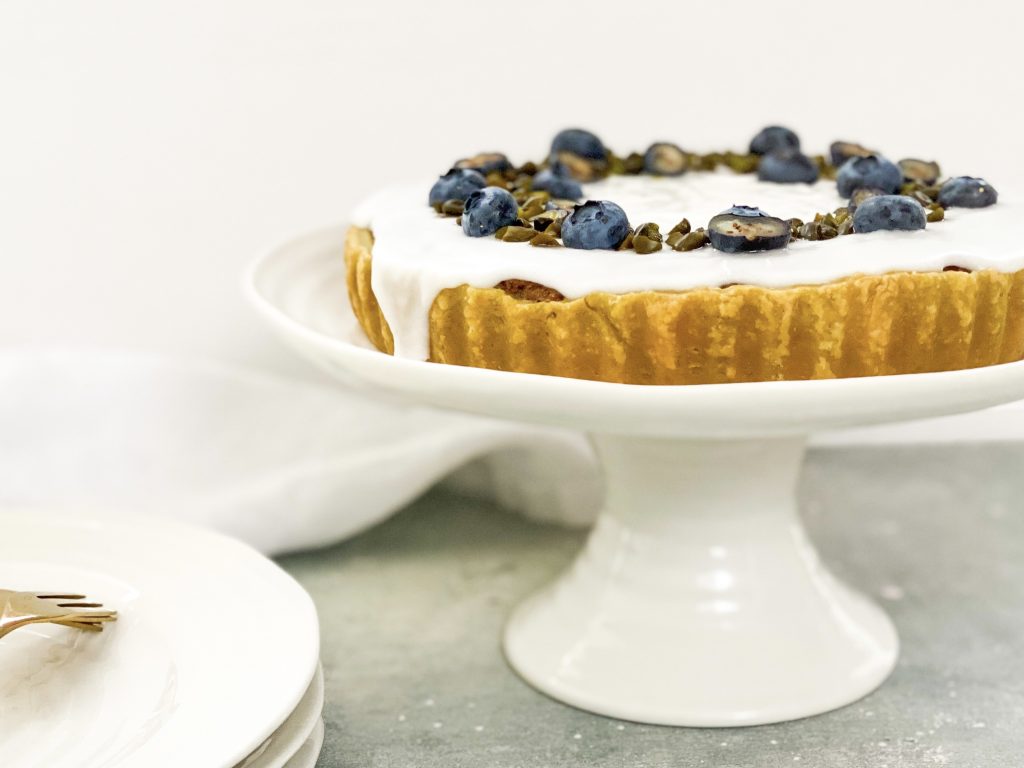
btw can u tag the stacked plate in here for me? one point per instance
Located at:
(213, 662)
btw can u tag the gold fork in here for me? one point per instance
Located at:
(19, 609)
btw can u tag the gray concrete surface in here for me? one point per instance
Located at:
(412, 611)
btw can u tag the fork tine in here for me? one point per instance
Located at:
(48, 596)
(84, 626)
(79, 605)
(95, 617)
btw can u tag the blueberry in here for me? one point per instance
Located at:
(485, 162)
(773, 137)
(744, 228)
(488, 210)
(920, 170)
(595, 224)
(457, 184)
(870, 171)
(664, 159)
(787, 166)
(841, 151)
(580, 143)
(967, 192)
(888, 212)
(557, 185)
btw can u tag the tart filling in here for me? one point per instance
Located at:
(417, 253)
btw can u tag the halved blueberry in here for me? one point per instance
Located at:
(841, 151)
(861, 194)
(595, 224)
(920, 170)
(488, 210)
(457, 184)
(744, 228)
(485, 162)
(787, 166)
(967, 192)
(557, 185)
(870, 171)
(888, 212)
(580, 143)
(773, 137)
(664, 159)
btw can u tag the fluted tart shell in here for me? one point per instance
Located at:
(862, 325)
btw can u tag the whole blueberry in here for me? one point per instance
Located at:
(595, 224)
(579, 142)
(557, 185)
(773, 137)
(870, 171)
(457, 184)
(967, 192)
(888, 212)
(787, 166)
(488, 210)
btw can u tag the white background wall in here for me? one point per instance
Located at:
(150, 149)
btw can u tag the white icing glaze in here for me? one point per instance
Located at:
(417, 254)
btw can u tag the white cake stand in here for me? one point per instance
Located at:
(698, 599)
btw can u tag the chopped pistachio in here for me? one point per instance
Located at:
(452, 207)
(846, 226)
(696, 239)
(683, 227)
(649, 230)
(936, 213)
(741, 163)
(515, 234)
(644, 244)
(532, 206)
(633, 163)
(626, 243)
(545, 240)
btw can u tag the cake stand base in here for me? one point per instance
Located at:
(698, 599)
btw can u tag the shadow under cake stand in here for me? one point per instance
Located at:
(698, 599)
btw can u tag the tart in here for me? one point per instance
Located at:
(672, 267)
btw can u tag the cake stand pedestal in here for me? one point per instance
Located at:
(698, 599)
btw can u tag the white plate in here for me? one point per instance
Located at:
(214, 648)
(286, 741)
(306, 756)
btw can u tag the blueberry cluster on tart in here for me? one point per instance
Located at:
(750, 294)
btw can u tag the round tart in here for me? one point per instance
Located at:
(671, 267)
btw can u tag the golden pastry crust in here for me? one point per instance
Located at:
(864, 325)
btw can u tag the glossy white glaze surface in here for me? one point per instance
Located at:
(417, 253)
(699, 599)
(192, 640)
